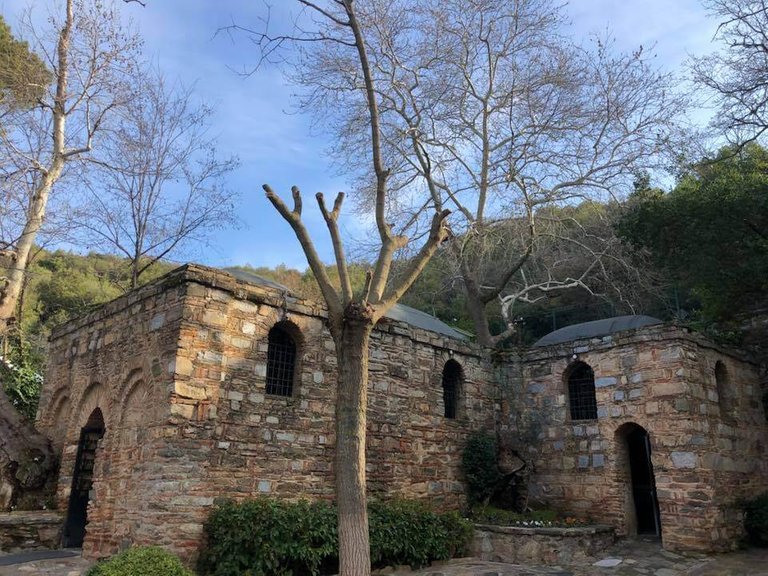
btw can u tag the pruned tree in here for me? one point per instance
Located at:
(737, 75)
(340, 27)
(158, 183)
(89, 53)
(488, 108)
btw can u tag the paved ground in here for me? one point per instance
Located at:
(627, 558)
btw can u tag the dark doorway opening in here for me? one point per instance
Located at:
(643, 482)
(82, 480)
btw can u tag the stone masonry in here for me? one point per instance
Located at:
(700, 404)
(178, 370)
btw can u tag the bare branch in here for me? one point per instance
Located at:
(331, 219)
(315, 263)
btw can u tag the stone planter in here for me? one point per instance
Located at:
(30, 530)
(549, 546)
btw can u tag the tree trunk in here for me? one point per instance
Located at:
(476, 309)
(27, 460)
(351, 408)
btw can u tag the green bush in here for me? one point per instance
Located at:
(266, 537)
(480, 466)
(756, 520)
(22, 384)
(142, 561)
(409, 532)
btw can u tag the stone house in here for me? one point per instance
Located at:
(203, 385)
(644, 426)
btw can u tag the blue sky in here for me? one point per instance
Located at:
(253, 119)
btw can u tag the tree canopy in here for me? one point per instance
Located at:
(24, 77)
(710, 233)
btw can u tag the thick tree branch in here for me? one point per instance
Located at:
(293, 217)
(331, 219)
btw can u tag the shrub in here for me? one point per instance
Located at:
(142, 561)
(408, 532)
(756, 519)
(269, 537)
(272, 537)
(480, 466)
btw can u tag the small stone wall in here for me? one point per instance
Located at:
(29, 530)
(549, 546)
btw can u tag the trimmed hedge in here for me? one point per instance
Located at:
(141, 561)
(267, 537)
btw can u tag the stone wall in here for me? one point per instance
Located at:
(708, 446)
(35, 530)
(548, 546)
(178, 369)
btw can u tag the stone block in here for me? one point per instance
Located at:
(605, 381)
(684, 459)
(157, 322)
(187, 390)
(181, 366)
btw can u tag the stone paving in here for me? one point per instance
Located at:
(627, 558)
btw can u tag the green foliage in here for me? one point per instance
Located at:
(22, 383)
(23, 75)
(273, 537)
(709, 234)
(143, 561)
(269, 537)
(410, 533)
(480, 465)
(756, 519)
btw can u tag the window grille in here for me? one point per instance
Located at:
(581, 393)
(281, 362)
(451, 386)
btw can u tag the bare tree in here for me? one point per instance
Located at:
(158, 183)
(492, 111)
(90, 54)
(89, 51)
(352, 316)
(738, 74)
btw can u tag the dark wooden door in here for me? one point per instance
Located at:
(82, 482)
(643, 483)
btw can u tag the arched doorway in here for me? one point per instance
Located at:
(637, 472)
(82, 480)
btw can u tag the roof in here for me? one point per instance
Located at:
(398, 312)
(596, 329)
(423, 320)
(247, 276)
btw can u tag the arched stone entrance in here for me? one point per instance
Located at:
(82, 480)
(635, 471)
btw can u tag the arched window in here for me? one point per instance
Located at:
(724, 393)
(581, 392)
(452, 376)
(281, 361)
